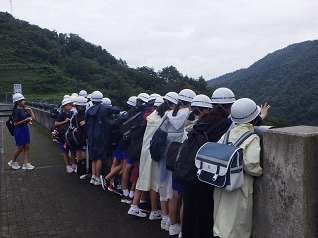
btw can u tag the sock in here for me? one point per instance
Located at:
(125, 192)
(142, 201)
(134, 207)
(94, 176)
(165, 218)
(132, 194)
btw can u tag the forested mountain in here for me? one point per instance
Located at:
(287, 79)
(51, 64)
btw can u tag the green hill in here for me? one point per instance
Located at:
(287, 79)
(51, 64)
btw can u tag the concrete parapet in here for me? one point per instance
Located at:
(43, 117)
(286, 196)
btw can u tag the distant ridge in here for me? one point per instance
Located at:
(286, 78)
(51, 64)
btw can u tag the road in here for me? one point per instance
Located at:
(48, 202)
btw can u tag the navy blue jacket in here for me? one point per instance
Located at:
(96, 128)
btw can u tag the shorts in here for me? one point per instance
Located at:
(120, 154)
(178, 187)
(22, 135)
(130, 161)
(64, 146)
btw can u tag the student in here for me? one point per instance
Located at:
(141, 106)
(96, 127)
(198, 197)
(78, 123)
(148, 169)
(120, 153)
(21, 116)
(174, 125)
(233, 210)
(63, 119)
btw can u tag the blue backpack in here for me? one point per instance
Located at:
(221, 165)
(158, 143)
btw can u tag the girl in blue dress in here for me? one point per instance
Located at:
(21, 116)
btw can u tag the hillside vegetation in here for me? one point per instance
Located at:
(287, 79)
(51, 64)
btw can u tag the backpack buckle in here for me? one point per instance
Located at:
(215, 177)
(199, 172)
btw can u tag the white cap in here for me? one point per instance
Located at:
(132, 101)
(17, 97)
(186, 95)
(201, 101)
(80, 101)
(107, 101)
(223, 96)
(172, 97)
(244, 110)
(89, 96)
(143, 96)
(158, 101)
(82, 93)
(97, 96)
(66, 96)
(66, 101)
(153, 96)
(74, 94)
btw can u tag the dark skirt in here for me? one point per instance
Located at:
(22, 135)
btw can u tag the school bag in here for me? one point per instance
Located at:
(173, 154)
(158, 143)
(10, 125)
(113, 131)
(128, 124)
(136, 139)
(221, 165)
(185, 171)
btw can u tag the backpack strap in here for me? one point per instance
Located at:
(226, 137)
(132, 118)
(243, 138)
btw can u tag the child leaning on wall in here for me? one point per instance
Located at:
(233, 210)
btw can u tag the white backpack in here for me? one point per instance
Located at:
(221, 165)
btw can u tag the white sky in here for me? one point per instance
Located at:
(199, 37)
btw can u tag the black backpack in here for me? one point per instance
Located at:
(10, 125)
(136, 139)
(113, 131)
(184, 171)
(172, 155)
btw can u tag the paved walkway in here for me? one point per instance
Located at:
(47, 202)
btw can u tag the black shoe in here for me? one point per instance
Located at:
(105, 182)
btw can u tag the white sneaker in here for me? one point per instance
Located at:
(97, 181)
(14, 165)
(27, 166)
(69, 169)
(136, 212)
(174, 229)
(10, 163)
(165, 225)
(84, 176)
(92, 180)
(155, 215)
(74, 167)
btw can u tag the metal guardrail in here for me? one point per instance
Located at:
(6, 110)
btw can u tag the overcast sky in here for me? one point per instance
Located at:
(199, 37)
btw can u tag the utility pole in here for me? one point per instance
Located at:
(11, 7)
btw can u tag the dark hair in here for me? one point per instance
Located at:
(15, 105)
(180, 103)
(161, 110)
(214, 115)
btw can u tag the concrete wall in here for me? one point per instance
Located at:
(286, 196)
(43, 117)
